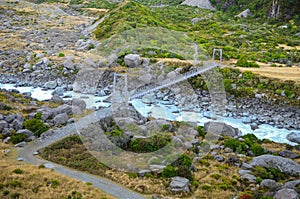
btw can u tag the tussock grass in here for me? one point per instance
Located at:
(36, 182)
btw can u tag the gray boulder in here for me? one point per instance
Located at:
(59, 91)
(205, 4)
(292, 184)
(219, 128)
(286, 193)
(21, 144)
(249, 177)
(285, 165)
(132, 60)
(57, 99)
(50, 85)
(3, 124)
(298, 34)
(294, 137)
(179, 184)
(288, 154)
(78, 105)
(63, 109)
(17, 124)
(60, 119)
(271, 184)
(10, 118)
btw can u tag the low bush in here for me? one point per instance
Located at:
(17, 138)
(169, 172)
(36, 126)
(236, 145)
(18, 171)
(257, 149)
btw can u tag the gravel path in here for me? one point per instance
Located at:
(101, 183)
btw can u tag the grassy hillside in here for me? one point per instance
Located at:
(289, 9)
(129, 16)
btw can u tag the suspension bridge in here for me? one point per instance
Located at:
(140, 92)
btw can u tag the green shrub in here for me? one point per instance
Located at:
(18, 171)
(132, 175)
(1, 186)
(236, 145)
(36, 126)
(183, 160)
(17, 138)
(55, 183)
(89, 183)
(206, 187)
(262, 173)
(5, 192)
(216, 176)
(204, 162)
(150, 144)
(169, 171)
(195, 183)
(257, 149)
(75, 195)
(276, 173)
(258, 179)
(61, 55)
(201, 131)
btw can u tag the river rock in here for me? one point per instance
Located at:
(50, 85)
(179, 184)
(285, 165)
(132, 60)
(220, 128)
(294, 137)
(246, 120)
(254, 126)
(148, 99)
(60, 119)
(286, 193)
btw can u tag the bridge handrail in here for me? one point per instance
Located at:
(171, 81)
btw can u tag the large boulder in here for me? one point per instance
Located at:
(27, 132)
(17, 124)
(50, 85)
(205, 4)
(78, 105)
(3, 125)
(286, 193)
(60, 119)
(220, 128)
(180, 184)
(132, 60)
(294, 137)
(285, 165)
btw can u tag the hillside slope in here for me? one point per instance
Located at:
(277, 9)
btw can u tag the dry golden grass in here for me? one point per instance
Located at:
(36, 182)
